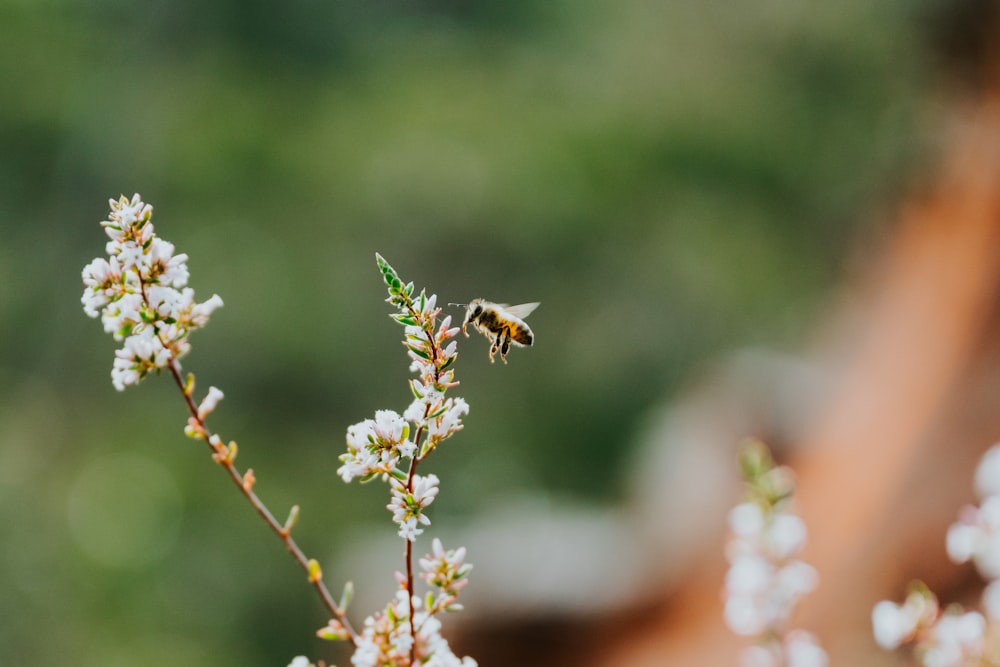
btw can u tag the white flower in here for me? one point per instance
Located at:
(987, 481)
(366, 653)
(141, 353)
(991, 601)
(135, 292)
(374, 446)
(894, 624)
(760, 656)
(786, 535)
(796, 579)
(749, 574)
(201, 311)
(425, 489)
(209, 403)
(746, 520)
(955, 638)
(744, 615)
(360, 435)
(409, 530)
(765, 581)
(102, 279)
(388, 426)
(891, 625)
(428, 310)
(300, 661)
(445, 569)
(436, 648)
(803, 650)
(450, 419)
(977, 537)
(408, 506)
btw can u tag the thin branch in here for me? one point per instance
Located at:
(278, 528)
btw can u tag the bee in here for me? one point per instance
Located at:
(503, 325)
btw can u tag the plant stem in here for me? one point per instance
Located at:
(265, 513)
(409, 597)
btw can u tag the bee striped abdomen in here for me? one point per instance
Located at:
(522, 335)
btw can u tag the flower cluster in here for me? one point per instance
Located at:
(408, 503)
(952, 638)
(386, 638)
(766, 579)
(445, 569)
(955, 637)
(140, 292)
(390, 447)
(375, 447)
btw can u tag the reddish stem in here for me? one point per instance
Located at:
(278, 528)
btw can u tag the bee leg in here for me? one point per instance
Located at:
(493, 347)
(503, 339)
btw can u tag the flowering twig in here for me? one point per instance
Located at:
(765, 579)
(405, 634)
(954, 637)
(140, 292)
(141, 295)
(225, 456)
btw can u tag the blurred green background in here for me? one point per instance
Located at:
(671, 180)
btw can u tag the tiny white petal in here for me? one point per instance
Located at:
(746, 519)
(786, 535)
(963, 542)
(988, 473)
(891, 625)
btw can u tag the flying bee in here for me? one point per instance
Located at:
(503, 325)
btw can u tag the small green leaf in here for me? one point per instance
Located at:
(293, 518)
(405, 319)
(419, 352)
(347, 595)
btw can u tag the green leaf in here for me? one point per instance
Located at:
(347, 595)
(405, 319)
(417, 351)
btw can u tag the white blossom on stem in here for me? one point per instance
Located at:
(408, 503)
(390, 447)
(955, 637)
(140, 293)
(766, 580)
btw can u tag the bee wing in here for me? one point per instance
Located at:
(521, 310)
